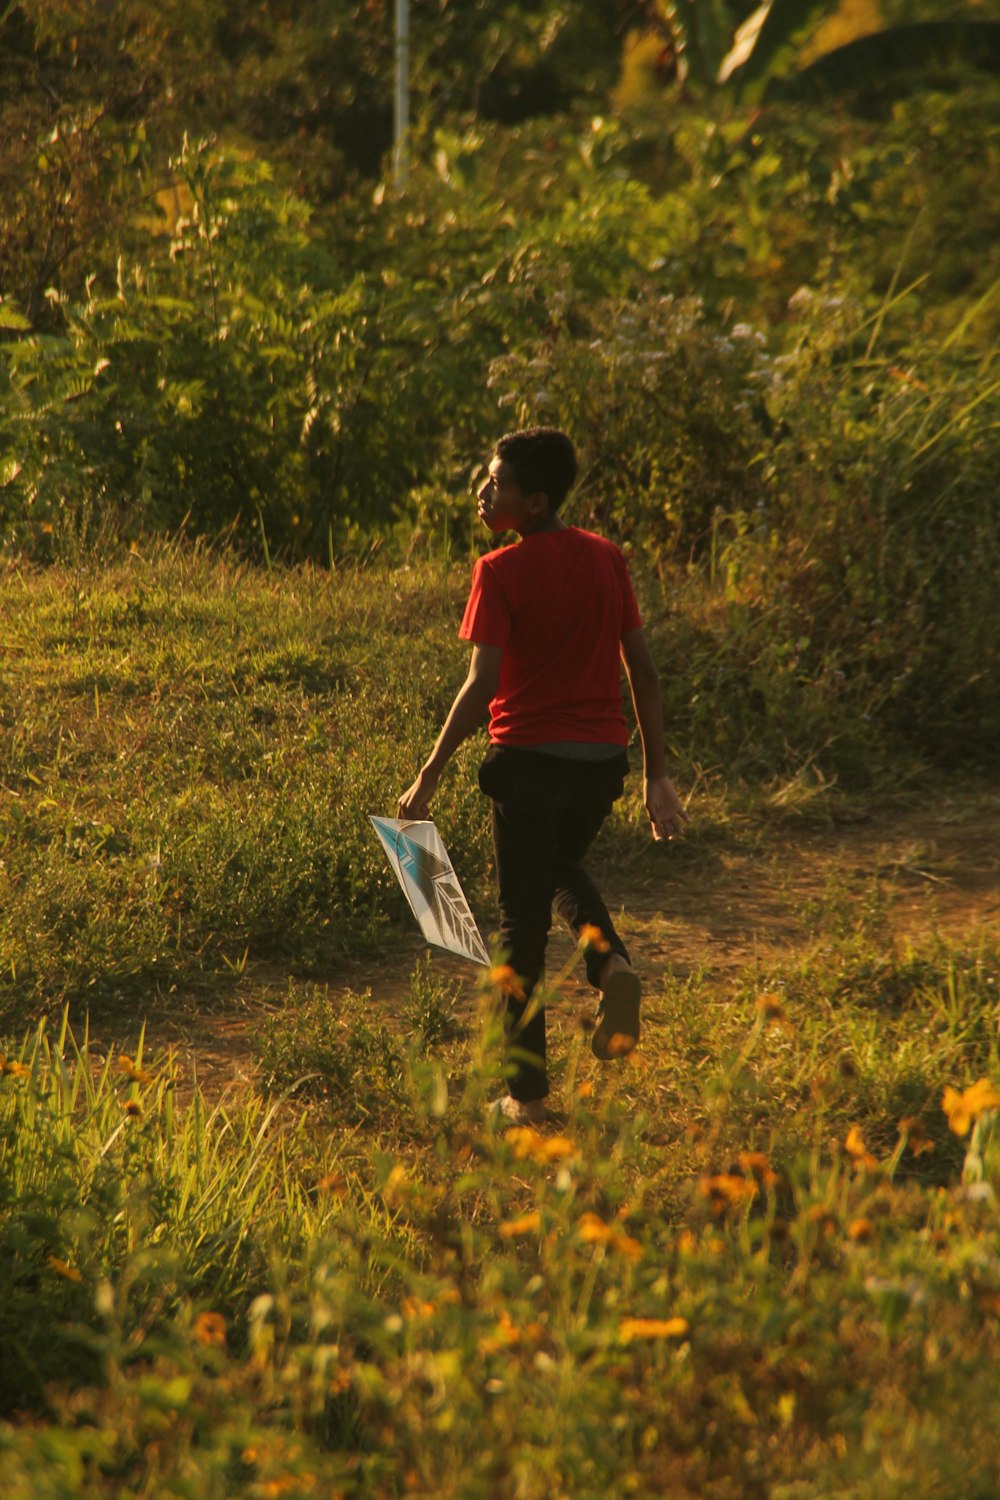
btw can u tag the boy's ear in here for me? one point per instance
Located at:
(538, 503)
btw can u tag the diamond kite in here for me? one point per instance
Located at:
(420, 860)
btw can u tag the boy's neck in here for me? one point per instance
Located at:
(547, 523)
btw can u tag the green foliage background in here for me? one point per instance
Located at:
(772, 329)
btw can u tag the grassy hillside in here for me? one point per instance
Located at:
(763, 1259)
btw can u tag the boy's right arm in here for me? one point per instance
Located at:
(666, 815)
(471, 704)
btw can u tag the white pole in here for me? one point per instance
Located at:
(402, 103)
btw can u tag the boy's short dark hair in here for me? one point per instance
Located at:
(543, 459)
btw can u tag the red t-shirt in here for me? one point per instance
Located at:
(558, 603)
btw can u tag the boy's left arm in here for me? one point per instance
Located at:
(666, 814)
(464, 717)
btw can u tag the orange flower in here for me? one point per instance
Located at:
(621, 1044)
(861, 1231)
(526, 1224)
(771, 1010)
(652, 1328)
(63, 1269)
(333, 1182)
(726, 1190)
(821, 1216)
(502, 976)
(912, 1129)
(756, 1165)
(861, 1159)
(963, 1108)
(770, 1007)
(593, 1230)
(210, 1328)
(413, 1309)
(628, 1247)
(507, 1335)
(592, 937)
(13, 1069)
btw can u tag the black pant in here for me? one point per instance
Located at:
(546, 813)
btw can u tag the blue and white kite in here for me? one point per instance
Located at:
(420, 860)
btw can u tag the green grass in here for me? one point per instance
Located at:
(190, 754)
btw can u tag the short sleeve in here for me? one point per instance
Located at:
(487, 620)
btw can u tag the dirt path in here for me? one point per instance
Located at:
(732, 896)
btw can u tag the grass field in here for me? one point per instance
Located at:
(255, 1236)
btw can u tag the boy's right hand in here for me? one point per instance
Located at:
(666, 815)
(415, 802)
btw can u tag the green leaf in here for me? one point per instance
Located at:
(13, 320)
(785, 27)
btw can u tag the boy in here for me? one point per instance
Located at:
(550, 619)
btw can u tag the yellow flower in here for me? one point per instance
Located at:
(502, 976)
(13, 1069)
(861, 1159)
(63, 1269)
(652, 1328)
(132, 1073)
(397, 1186)
(133, 1109)
(963, 1108)
(529, 1145)
(210, 1328)
(526, 1224)
(861, 1231)
(592, 937)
